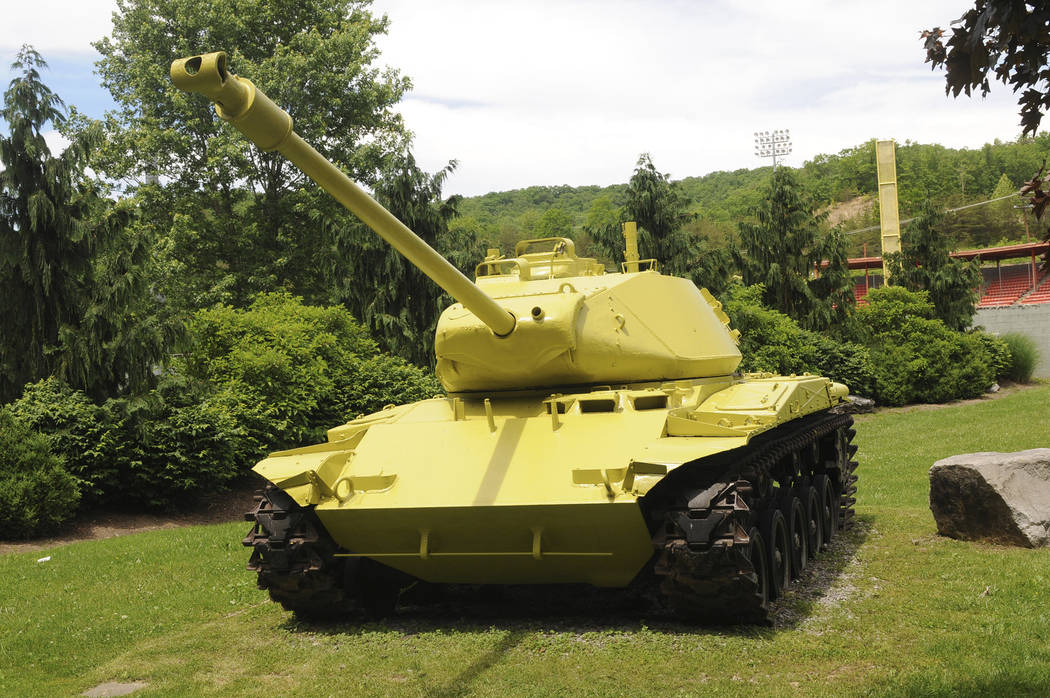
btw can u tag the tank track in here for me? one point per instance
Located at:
(703, 540)
(293, 556)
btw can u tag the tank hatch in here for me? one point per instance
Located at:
(541, 258)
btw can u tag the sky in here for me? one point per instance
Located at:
(572, 92)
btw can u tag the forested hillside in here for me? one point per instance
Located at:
(844, 183)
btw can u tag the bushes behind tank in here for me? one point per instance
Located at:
(37, 495)
(275, 375)
(147, 450)
(917, 358)
(289, 371)
(894, 350)
(772, 341)
(78, 430)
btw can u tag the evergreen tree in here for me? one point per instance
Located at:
(924, 264)
(396, 301)
(602, 223)
(656, 203)
(782, 249)
(660, 208)
(71, 268)
(833, 286)
(45, 238)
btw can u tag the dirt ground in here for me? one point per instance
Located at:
(221, 508)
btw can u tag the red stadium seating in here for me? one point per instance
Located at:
(1007, 287)
(1041, 294)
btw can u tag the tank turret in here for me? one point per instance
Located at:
(542, 317)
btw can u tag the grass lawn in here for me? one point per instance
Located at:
(902, 611)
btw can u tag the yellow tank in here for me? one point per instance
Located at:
(594, 431)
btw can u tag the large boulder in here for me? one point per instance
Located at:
(996, 497)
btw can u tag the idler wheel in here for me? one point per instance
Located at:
(814, 519)
(757, 554)
(829, 506)
(797, 532)
(774, 530)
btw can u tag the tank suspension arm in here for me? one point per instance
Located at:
(245, 106)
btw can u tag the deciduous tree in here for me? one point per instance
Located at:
(1007, 38)
(234, 213)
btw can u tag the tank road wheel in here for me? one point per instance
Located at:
(797, 532)
(829, 506)
(728, 545)
(759, 558)
(814, 519)
(774, 530)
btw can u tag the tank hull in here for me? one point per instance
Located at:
(580, 487)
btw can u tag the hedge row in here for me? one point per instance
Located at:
(894, 350)
(275, 375)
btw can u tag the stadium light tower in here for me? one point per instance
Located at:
(773, 144)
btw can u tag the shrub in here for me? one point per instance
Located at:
(1024, 356)
(998, 351)
(275, 375)
(917, 358)
(148, 450)
(37, 495)
(845, 362)
(887, 310)
(288, 372)
(174, 443)
(78, 430)
(772, 341)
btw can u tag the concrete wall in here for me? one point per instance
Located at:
(1032, 320)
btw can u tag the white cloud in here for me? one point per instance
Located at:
(56, 142)
(571, 92)
(55, 26)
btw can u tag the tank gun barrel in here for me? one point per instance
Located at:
(245, 106)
